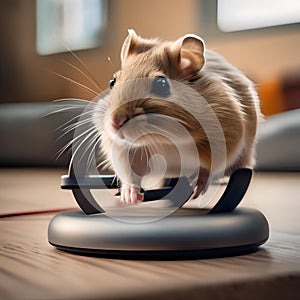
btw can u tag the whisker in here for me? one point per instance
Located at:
(133, 154)
(154, 145)
(115, 179)
(84, 66)
(66, 126)
(92, 80)
(82, 142)
(61, 151)
(167, 133)
(78, 124)
(146, 151)
(100, 165)
(82, 101)
(93, 143)
(84, 114)
(105, 164)
(63, 110)
(77, 83)
(71, 128)
(109, 59)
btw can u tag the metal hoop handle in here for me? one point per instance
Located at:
(177, 188)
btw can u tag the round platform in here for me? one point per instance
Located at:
(187, 233)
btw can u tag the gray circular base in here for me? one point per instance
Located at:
(188, 233)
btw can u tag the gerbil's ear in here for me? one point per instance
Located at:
(128, 44)
(188, 53)
(134, 44)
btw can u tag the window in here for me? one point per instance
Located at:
(236, 15)
(69, 24)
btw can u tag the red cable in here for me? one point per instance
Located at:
(34, 212)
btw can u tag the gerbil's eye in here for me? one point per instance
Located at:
(112, 82)
(160, 87)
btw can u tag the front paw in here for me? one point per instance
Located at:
(202, 183)
(131, 194)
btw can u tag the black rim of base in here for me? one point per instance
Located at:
(164, 254)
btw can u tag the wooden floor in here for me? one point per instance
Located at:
(30, 268)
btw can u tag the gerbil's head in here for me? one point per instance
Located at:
(145, 83)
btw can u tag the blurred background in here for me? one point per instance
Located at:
(269, 56)
(43, 41)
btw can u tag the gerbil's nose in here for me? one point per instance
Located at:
(118, 120)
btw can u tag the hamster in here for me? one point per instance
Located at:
(161, 65)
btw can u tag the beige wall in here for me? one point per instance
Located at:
(264, 56)
(27, 76)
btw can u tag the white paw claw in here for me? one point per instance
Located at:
(131, 194)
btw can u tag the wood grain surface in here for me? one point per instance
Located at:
(30, 268)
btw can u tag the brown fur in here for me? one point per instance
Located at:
(228, 92)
